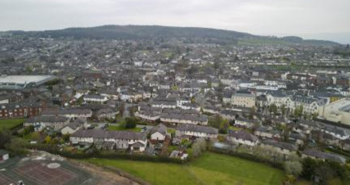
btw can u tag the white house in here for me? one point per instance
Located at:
(95, 99)
(158, 133)
(72, 127)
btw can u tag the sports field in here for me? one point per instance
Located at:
(10, 123)
(210, 169)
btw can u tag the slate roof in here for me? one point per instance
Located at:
(67, 111)
(197, 128)
(103, 134)
(94, 96)
(159, 128)
(191, 117)
(282, 145)
(47, 119)
(243, 135)
(324, 155)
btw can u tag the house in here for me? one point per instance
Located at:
(211, 109)
(41, 122)
(175, 116)
(277, 98)
(72, 127)
(158, 133)
(69, 113)
(264, 132)
(190, 106)
(242, 137)
(164, 103)
(186, 130)
(229, 114)
(280, 147)
(346, 144)
(26, 108)
(106, 114)
(315, 154)
(95, 99)
(337, 132)
(4, 155)
(242, 122)
(310, 105)
(297, 138)
(122, 139)
(240, 99)
(148, 113)
(4, 100)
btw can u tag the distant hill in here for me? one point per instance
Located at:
(165, 32)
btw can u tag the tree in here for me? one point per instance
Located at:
(252, 113)
(199, 147)
(121, 108)
(273, 109)
(224, 126)
(35, 136)
(196, 150)
(298, 111)
(314, 116)
(132, 111)
(325, 172)
(47, 139)
(131, 122)
(5, 137)
(306, 116)
(193, 100)
(293, 168)
(65, 137)
(215, 121)
(283, 109)
(309, 166)
(17, 146)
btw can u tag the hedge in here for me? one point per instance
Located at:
(104, 155)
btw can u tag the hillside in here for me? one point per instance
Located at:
(163, 32)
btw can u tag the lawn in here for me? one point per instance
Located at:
(235, 128)
(112, 127)
(10, 123)
(211, 168)
(171, 131)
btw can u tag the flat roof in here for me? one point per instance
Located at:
(21, 79)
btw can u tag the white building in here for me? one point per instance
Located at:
(338, 111)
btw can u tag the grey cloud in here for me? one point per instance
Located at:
(310, 18)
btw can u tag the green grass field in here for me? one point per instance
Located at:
(210, 169)
(117, 128)
(10, 123)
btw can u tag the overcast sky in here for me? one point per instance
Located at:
(317, 19)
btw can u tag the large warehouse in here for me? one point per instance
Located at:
(338, 111)
(23, 81)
